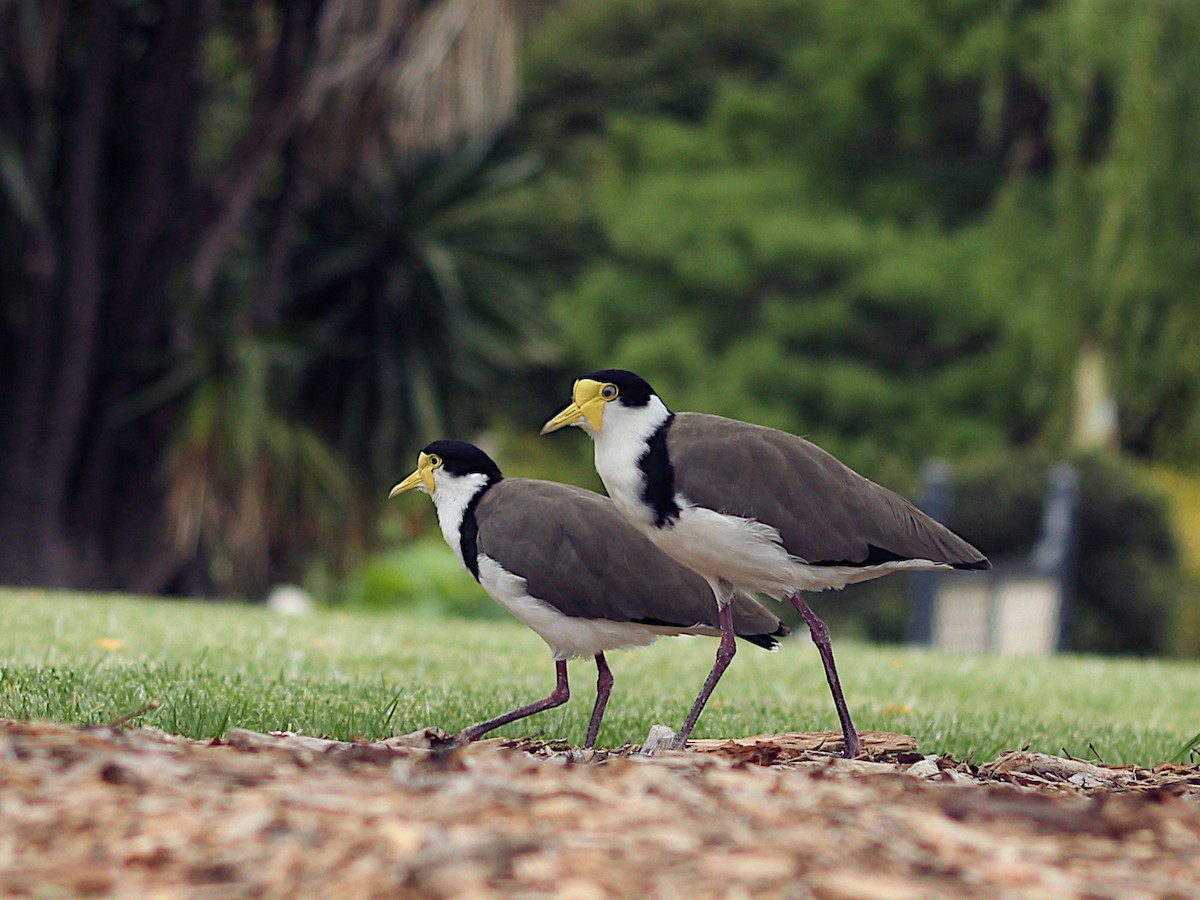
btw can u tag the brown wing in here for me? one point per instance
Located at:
(577, 553)
(825, 512)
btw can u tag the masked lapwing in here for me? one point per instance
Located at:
(567, 564)
(751, 507)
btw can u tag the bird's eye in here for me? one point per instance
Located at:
(435, 461)
(609, 392)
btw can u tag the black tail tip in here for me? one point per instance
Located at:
(767, 641)
(980, 565)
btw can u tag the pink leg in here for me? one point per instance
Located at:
(558, 697)
(604, 683)
(725, 651)
(820, 636)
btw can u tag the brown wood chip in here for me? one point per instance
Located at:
(110, 812)
(765, 749)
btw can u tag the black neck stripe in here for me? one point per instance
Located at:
(658, 477)
(468, 534)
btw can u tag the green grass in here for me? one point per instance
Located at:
(93, 659)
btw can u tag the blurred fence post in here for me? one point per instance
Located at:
(936, 500)
(1058, 543)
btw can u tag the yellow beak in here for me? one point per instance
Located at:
(422, 477)
(588, 405)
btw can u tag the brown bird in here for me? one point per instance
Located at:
(751, 508)
(564, 562)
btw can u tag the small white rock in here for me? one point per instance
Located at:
(925, 768)
(289, 600)
(660, 738)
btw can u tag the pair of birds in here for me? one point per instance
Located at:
(702, 510)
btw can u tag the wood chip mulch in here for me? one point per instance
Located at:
(138, 813)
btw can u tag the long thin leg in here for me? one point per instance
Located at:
(558, 697)
(725, 651)
(604, 683)
(820, 636)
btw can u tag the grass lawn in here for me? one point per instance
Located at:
(94, 659)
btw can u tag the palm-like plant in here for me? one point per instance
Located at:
(255, 496)
(427, 290)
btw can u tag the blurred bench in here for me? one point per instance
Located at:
(1018, 608)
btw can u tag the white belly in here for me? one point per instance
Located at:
(748, 554)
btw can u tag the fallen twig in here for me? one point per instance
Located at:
(129, 717)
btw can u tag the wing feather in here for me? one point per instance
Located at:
(825, 512)
(577, 553)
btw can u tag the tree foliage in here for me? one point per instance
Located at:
(427, 293)
(1125, 77)
(892, 231)
(797, 244)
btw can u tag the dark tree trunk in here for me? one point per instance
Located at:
(118, 518)
(83, 481)
(56, 362)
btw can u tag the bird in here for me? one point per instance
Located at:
(751, 508)
(567, 564)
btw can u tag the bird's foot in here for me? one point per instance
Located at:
(464, 737)
(853, 746)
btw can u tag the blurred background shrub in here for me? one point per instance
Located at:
(1128, 582)
(423, 577)
(1131, 593)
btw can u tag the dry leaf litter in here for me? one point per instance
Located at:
(139, 813)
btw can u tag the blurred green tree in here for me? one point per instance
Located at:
(1124, 79)
(794, 236)
(893, 232)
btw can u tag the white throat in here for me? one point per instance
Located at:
(620, 444)
(451, 495)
